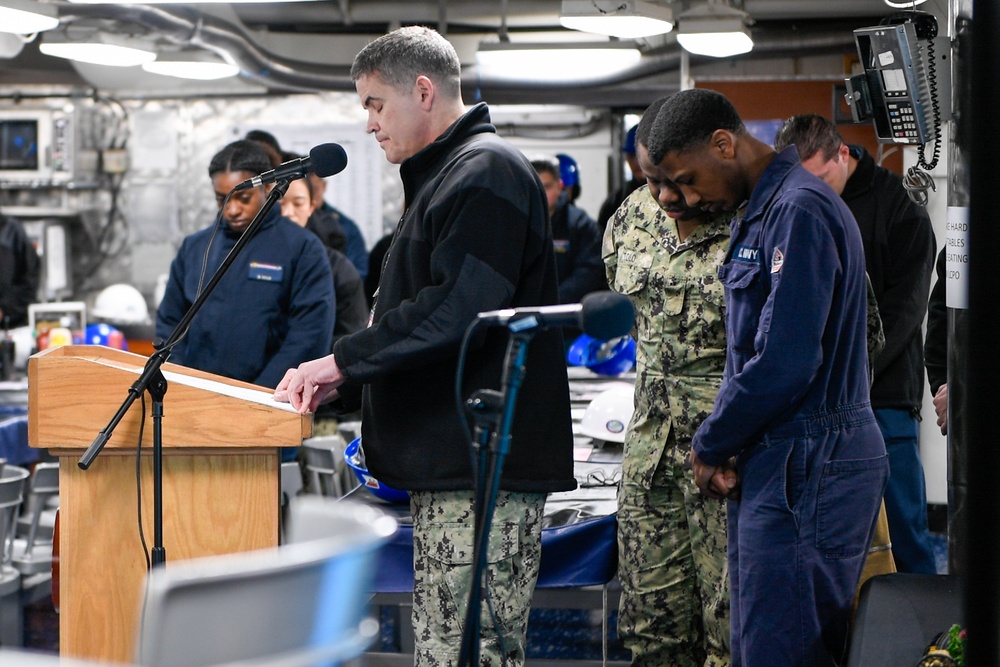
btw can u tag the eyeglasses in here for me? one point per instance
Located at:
(600, 478)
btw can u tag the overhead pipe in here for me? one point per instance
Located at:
(282, 74)
(229, 40)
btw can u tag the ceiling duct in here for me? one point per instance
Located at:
(229, 40)
(187, 27)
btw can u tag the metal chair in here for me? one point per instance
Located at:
(324, 458)
(301, 604)
(32, 554)
(349, 430)
(900, 614)
(290, 485)
(291, 481)
(12, 480)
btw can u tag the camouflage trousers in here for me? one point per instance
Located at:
(443, 530)
(673, 570)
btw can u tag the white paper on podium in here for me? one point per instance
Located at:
(263, 397)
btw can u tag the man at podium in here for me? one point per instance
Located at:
(474, 237)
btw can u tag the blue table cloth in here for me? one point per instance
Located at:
(581, 553)
(14, 441)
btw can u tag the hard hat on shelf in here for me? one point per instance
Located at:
(608, 415)
(121, 304)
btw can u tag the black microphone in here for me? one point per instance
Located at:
(602, 315)
(324, 160)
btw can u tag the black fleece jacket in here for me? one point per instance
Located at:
(474, 236)
(899, 256)
(936, 341)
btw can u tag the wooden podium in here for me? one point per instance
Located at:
(220, 480)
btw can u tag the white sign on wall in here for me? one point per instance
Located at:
(957, 257)
(356, 191)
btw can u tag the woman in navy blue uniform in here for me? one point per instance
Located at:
(275, 306)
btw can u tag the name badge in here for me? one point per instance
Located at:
(267, 272)
(745, 253)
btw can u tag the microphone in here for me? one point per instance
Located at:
(602, 315)
(324, 160)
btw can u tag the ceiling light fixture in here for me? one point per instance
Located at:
(25, 17)
(196, 65)
(625, 19)
(178, 2)
(97, 48)
(562, 62)
(904, 4)
(716, 30)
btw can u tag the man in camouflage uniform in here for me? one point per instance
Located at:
(671, 539)
(474, 236)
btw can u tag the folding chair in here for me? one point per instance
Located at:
(301, 604)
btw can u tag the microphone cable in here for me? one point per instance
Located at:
(474, 460)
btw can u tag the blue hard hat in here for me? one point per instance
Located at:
(569, 172)
(604, 357)
(628, 146)
(354, 456)
(104, 334)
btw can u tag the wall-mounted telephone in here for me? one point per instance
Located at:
(899, 89)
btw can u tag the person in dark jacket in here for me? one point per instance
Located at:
(621, 193)
(792, 415)
(20, 273)
(375, 258)
(575, 237)
(473, 237)
(569, 173)
(936, 344)
(899, 255)
(337, 227)
(273, 309)
(299, 205)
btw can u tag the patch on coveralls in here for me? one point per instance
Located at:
(746, 253)
(777, 259)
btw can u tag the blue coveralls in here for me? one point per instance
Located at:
(794, 411)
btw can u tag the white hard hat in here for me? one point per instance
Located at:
(121, 304)
(608, 415)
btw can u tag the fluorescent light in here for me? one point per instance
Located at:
(177, 2)
(25, 17)
(97, 48)
(197, 65)
(626, 19)
(565, 61)
(904, 4)
(714, 30)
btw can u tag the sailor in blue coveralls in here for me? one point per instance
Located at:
(792, 441)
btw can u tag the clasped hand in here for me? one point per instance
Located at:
(715, 481)
(310, 385)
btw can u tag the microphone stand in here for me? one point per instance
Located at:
(498, 408)
(152, 380)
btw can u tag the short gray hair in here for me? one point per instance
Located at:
(402, 55)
